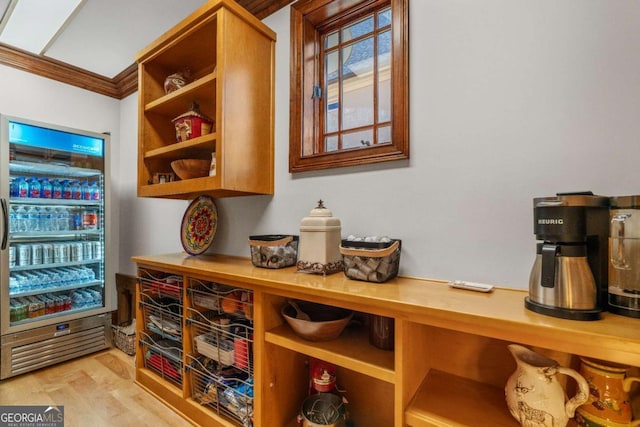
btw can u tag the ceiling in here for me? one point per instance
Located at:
(102, 37)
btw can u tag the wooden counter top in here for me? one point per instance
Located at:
(500, 314)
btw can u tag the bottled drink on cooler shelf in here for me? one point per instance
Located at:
(34, 188)
(86, 190)
(47, 216)
(13, 219)
(96, 192)
(76, 219)
(13, 188)
(22, 219)
(23, 187)
(62, 218)
(33, 219)
(76, 190)
(89, 219)
(66, 189)
(56, 189)
(46, 190)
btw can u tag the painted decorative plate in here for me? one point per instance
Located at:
(199, 225)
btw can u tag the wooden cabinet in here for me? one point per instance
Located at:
(231, 57)
(450, 361)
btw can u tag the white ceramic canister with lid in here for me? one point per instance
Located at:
(319, 246)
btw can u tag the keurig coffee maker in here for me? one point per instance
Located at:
(569, 276)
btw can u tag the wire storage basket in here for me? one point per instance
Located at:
(226, 390)
(219, 320)
(163, 356)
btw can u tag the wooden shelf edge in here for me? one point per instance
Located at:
(372, 362)
(190, 190)
(200, 142)
(183, 91)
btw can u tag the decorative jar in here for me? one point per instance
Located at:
(319, 247)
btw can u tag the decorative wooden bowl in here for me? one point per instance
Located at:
(191, 168)
(327, 322)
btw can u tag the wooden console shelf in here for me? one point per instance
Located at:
(450, 362)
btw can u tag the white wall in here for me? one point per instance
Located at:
(510, 100)
(147, 226)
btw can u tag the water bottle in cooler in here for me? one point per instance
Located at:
(13, 188)
(34, 188)
(76, 219)
(23, 187)
(63, 218)
(96, 191)
(86, 190)
(13, 219)
(22, 219)
(56, 189)
(33, 219)
(46, 189)
(45, 218)
(76, 190)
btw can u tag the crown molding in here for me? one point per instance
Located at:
(120, 86)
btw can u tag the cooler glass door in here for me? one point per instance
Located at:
(52, 184)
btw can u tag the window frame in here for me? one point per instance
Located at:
(308, 20)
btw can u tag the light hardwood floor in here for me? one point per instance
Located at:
(96, 390)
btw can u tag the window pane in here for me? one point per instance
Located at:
(384, 134)
(384, 77)
(358, 139)
(357, 86)
(331, 40)
(331, 143)
(332, 87)
(384, 18)
(360, 28)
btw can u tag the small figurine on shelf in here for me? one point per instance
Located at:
(192, 124)
(177, 80)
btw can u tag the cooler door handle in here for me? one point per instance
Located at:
(5, 224)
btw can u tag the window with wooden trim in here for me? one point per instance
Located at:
(349, 83)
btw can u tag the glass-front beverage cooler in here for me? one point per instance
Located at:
(55, 280)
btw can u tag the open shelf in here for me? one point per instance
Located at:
(445, 400)
(351, 350)
(200, 146)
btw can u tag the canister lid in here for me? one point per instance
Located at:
(319, 217)
(629, 202)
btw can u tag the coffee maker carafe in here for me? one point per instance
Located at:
(569, 275)
(624, 249)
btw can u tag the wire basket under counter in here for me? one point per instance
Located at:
(225, 390)
(221, 299)
(163, 356)
(227, 341)
(164, 318)
(157, 285)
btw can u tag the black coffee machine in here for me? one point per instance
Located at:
(569, 278)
